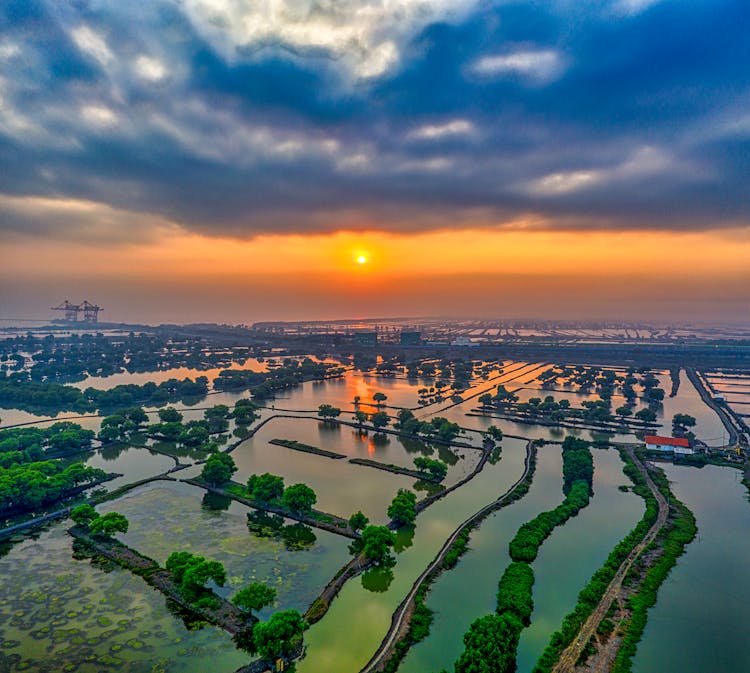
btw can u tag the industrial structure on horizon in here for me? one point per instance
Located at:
(89, 311)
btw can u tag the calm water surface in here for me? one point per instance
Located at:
(700, 621)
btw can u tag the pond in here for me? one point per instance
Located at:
(61, 614)
(699, 623)
(167, 516)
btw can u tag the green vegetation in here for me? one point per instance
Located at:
(265, 487)
(280, 636)
(578, 474)
(419, 628)
(327, 411)
(109, 524)
(403, 508)
(83, 515)
(299, 498)
(376, 543)
(437, 428)
(32, 472)
(379, 419)
(191, 572)
(121, 427)
(358, 520)
(254, 597)
(514, 592)
(218, 469)
(437, 469)
(490, 645)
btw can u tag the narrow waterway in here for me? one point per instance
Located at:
(469, 590)
(575, 551)
(699, 622)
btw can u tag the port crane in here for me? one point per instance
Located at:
(89, 311)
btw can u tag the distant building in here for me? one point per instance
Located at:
(463, 341)
(411, 339)
(676, 445)
(365, 338)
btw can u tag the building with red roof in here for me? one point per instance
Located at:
(677, 445)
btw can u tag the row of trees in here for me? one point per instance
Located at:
(269, 489)
(491, 642)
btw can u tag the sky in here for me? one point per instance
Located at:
(247, 160)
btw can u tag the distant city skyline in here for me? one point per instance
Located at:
(234, 161)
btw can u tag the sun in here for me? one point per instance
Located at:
(362, 259)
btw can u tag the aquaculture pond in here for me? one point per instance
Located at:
(566, 561)
(61, 614)
(699, 623)
(575, 551)
(342, 488)
(131, 462)
(468, 591)
(168, 516)
(359, 617)
(709, 427)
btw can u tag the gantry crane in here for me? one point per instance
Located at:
(71, 310)
(90, 311)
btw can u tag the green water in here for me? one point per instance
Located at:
(131, 462)
(700, 621)
(468, 591)
(59, 614)
(358, 619)
(575, 551)
(566, 561)
(342, 488)
(167, 516)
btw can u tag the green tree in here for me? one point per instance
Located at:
(328, 411)
(299, 498)
(137, 415)
(218, 469)
(279, 635)
(490, 645)
(199, 573)
(494, 434)
(379, 398)
(379, 419)
(646, 415)
(403, 508)
(169, 415)
(361, 417)
(437, 468)
(486, 400)
(683, 422)
(358, 521)
(83, 515)
(265, 487)
(109, 524)
(376, 543)
(254, 597)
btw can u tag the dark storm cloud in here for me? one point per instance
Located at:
(615, 114)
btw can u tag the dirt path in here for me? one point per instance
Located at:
(402, 616)
(569, 656)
